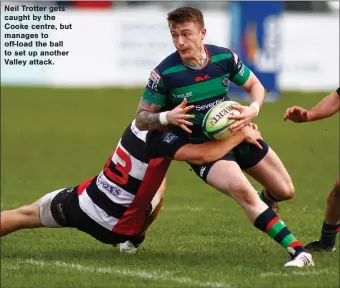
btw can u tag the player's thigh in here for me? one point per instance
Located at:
(45, 213)
(52, 211)
(272, 174)
(228, 178)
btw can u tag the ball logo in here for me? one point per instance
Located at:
(227, 110)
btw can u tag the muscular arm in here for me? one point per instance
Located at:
(207, 152)
(147, 117)
(328, 106)
(255, 89)
(247, 80)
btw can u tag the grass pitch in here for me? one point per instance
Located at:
(55, 138)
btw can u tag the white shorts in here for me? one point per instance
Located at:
(45, 213)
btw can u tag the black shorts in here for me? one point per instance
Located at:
(246, 155)
(67, 213)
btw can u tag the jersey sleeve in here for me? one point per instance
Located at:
(240, 72)
(338, 91)
(154, 91)
(165, 144)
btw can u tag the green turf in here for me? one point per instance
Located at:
(55, 138)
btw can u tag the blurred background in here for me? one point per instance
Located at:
(294, 45)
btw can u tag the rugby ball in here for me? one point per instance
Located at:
(216, 121)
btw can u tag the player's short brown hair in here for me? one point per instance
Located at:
(186, 14)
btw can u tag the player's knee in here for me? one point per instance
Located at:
(287, 191)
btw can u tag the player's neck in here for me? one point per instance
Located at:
(198, 61)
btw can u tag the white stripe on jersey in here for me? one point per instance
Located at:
(95, 212)
(138, 167)
(140, 134)
(113, 191)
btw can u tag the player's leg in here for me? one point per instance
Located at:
(21, 218)
(156, 205)
(227, 177)
(272, 174)
(35, 215)
(331, 224)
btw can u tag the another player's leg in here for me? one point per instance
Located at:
(35, 215)
(331, 224)
(156, 205)
(227, 177)
(25, 217)
(272, 174)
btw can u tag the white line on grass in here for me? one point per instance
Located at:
(165, 276)
(295, 273)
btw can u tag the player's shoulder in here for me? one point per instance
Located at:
(169, 62)
(215, 50)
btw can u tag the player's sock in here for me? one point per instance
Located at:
(328, 234)
(267, 197)
(270, 223)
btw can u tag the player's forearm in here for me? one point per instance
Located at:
(146, 120)
(326, 107)
(213, 150)
(147, 117)
(257, 93)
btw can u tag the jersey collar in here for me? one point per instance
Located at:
(197, 68)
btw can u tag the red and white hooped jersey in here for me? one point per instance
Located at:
(119, 197)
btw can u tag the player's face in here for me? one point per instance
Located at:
(187, 38)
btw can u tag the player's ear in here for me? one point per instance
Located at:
(203, 32)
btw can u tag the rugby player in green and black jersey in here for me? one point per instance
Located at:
(200, 75)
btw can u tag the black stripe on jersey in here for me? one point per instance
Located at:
(134, 145)
(101, 200)
(131, 186)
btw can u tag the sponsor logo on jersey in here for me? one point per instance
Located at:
(225, 81)
(202, 78)
(241, 71)
(155, 77)
(202, 170)
(152, 85)
(170, 138)
(102, 183)
(153, 81)
(181, 96)
(207, 106)
(61, 212)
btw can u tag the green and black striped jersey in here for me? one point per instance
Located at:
(172, 81)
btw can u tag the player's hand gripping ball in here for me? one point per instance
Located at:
(216, 121)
